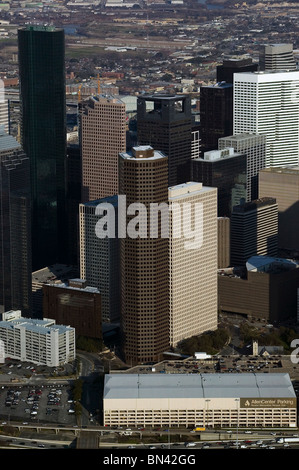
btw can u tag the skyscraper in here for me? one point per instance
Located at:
(254, 230)
(283, 185)
(192, 261)
(73, 199)
(225, 72)
(216, 114)
(277, 57)
(15, 228)
(43, 136)
(144, 263)
(254, 147)
(99, 257)
(225, 170)
(102, 139)
(164, 121)
(4, 114)
(267, 103)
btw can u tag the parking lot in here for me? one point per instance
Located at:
(42, 404)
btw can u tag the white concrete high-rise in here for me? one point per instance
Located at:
(267, 103)
(4, 115)
(192, 262)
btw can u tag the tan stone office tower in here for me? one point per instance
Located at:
(102, 137)
(144, 264)
(254, 230)
(283, 184)
(193, 260)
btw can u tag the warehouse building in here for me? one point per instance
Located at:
(208, 400)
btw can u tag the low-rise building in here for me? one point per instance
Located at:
(76, 304)
(214, 400)
(265, 289)
(41, 342)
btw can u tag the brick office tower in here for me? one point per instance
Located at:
(144, 261)
(76, 304)
(102, 138)
(164, 121)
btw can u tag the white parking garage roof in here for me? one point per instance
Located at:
(270, 385)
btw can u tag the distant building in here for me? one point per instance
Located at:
(266, 289)
(76, 304)
(4, 113)
(282, 183)
(164, 121)
(225, 170)
(254, 230)
(277, 57)
(41, 342)
(193, 262)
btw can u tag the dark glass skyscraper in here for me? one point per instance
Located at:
(43, 134)
(15, 227)
(226, 171)
(216, 114)
(164, 121)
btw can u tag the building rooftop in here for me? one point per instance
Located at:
(65, 285)
(270, 264)
(109, 199)
(254, 205)
(282, 170)
(13, 319)
(162, 96)
(53, 272)
(251, 385)
(219, 85)
(7, 141)
(190, 188)
(143, 153)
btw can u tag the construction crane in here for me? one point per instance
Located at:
(99, 84)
